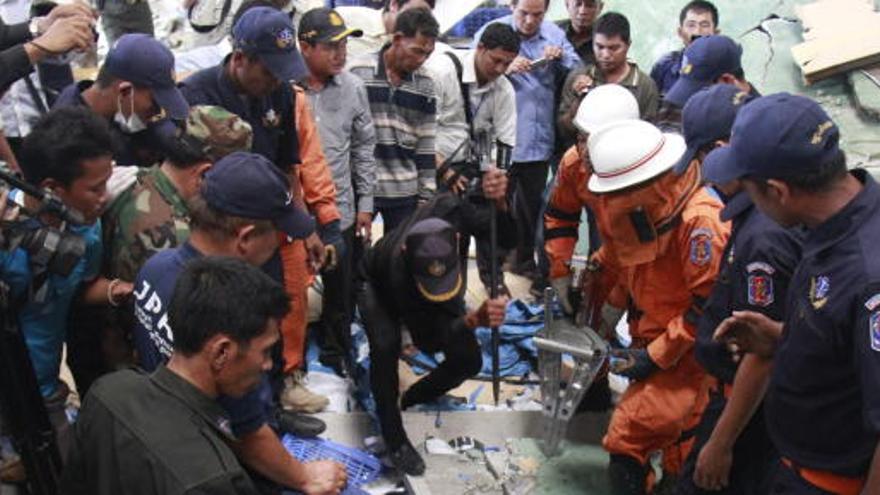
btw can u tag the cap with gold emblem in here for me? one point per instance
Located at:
(267, 34)
(703, 62)
(324, 26)
(775, 137)
(432, 256)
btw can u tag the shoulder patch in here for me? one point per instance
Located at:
(760, 289)
(874, 330)
(873, 302)
(701, 246)
(760, 266)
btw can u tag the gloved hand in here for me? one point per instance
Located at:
(562, 286)
(635, 364)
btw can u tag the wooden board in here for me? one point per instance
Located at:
(840, 35)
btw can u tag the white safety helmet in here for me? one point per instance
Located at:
(629, 152)
(604, 105)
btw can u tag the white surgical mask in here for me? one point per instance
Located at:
(133, 123)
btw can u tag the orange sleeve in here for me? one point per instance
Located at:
(319, 192)
(563, 215)
(700, 243)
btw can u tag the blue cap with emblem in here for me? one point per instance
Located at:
(432, 256)
(143, 61)
(775, 136)
(704, 61)
(268, 34)
(707, 117)
(248, 185)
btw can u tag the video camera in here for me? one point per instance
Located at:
(480, 160)
(52, 248)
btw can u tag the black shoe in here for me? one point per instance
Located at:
(338, 364)
(299, 425)
(406, 459)
(537, 288)
(626, 475)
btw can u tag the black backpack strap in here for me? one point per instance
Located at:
(207, 28)
(289, 143)
(465, 92)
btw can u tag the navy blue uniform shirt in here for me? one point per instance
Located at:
(270, 117)
(758, 263)
(154, 288)
(823, 404)
(665, 71)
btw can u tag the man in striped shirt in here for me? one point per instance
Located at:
(402, 101)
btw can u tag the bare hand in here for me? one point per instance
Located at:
(323, 478)
(122, 290)
(749, 331)
(581, 83)
(494, 184)
(66, 34)
(7, 213)
(552, 52)
(459, 185)
(331, 257)
(314, 252)
(364, 226)
(491, 312)
(713, 466)
(519, 65)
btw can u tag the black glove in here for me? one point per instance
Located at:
(635, 364)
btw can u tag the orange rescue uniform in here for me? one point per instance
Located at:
(568, 197)
(663, 285)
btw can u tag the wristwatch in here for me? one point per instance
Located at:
(34, 27)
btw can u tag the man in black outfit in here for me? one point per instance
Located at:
(413, 277)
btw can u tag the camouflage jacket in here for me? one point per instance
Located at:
(149, 217)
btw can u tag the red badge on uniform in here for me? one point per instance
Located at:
(760, 284)
(701, 247)
(760, 290)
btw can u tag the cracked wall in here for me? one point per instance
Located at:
(767, 29)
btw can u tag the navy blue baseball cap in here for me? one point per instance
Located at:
(432, 253)
(268, 34)
(143, 61)
(708, 116)
(248, 185)
(776, 136)
(704, 61)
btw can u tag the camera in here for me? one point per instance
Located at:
(50, 248)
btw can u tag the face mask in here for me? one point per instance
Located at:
(133, 123)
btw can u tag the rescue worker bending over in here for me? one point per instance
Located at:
(413, 277)
(601, 106)
(662, 244)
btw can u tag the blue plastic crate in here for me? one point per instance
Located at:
(361, 466)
